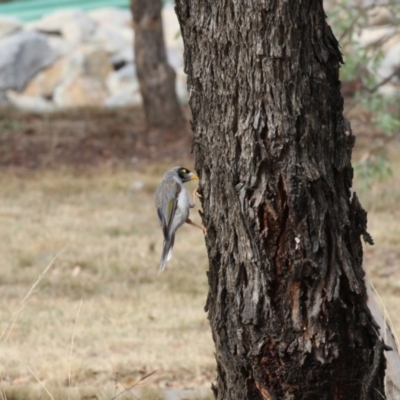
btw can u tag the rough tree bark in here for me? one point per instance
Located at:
(287, 299)
(156, 76)
(392, 378)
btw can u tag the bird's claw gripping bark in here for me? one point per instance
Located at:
(196, 194)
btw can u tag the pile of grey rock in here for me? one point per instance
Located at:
(72, 58)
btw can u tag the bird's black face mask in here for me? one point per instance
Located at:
(185, 175)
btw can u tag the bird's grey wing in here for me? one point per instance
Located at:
(168, 192)
(162, 221)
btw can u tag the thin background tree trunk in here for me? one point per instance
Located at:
(287, 299)
(156, 76)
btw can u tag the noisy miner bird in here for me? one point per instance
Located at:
(173, 204)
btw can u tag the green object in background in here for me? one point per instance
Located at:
(29, 10)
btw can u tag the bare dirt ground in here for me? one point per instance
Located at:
(77, 197)
(83, 138)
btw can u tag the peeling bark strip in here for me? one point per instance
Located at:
(156, 76)
(287, 300)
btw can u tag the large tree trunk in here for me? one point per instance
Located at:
(287, 299)
(156, 76)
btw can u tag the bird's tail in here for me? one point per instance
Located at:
(167, 252)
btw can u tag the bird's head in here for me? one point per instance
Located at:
(185, 175)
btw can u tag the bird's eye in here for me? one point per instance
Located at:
(184, 171)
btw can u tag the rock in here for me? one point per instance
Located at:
(29, 103)
(181, 86)
(123, 58)
(22, 55)
(119, 100)
(175, 57)
(44, 83)
(124, 88)
(60, 46)
(79, 30)
(123, 81)
(84, 60)
(9, 25)
(52, 23)
(113, 38)
(96, 62)
(90, 60)
(80, 91)
(73, 24)
(173, 37)
(110, 15)
(174, 47)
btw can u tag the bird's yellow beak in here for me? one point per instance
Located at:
(194, 176)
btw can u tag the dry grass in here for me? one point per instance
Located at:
(131, 321)
(382, 261)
